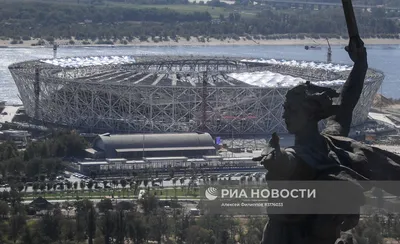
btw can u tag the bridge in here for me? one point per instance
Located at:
(319, 5)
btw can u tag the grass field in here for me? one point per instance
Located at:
(189, 8)
(215, 12)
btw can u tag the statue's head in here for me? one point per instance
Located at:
(307, 103)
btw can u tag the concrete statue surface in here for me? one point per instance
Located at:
(326, 155)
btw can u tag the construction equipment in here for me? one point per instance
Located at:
(329, 55)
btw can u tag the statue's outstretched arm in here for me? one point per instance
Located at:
(339, 124)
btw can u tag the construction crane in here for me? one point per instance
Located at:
(55, 47)
(329, 55)
(204, 102)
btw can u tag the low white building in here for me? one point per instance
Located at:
(164, 163)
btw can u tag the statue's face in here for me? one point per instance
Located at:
(295, 116)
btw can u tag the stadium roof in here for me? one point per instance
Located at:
(188, 71)
(302, 64)
(76, 62)
(270, 79)
(89, 61)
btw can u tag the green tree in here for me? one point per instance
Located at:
(123, 183)
(107, 226)
(91, 224)
(4, 209)
(17, 224)
(104, 205)
(149, 203)
(90, 186)
(197, 234)
(82, 185)
(42, 187)
(35, 186)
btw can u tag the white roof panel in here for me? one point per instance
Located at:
(164, 158)
(93, 163)
(263, 79)
(270, 79)
(75, 62)
(303, 64)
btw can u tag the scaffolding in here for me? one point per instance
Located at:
(157, 94)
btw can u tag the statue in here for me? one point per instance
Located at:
(327, 154)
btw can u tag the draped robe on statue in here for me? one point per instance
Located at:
(347, 160)
(372, 163)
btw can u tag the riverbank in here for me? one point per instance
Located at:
(194, 41)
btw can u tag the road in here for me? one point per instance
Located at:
(187, 201)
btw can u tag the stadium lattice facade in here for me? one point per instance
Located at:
(219, 95)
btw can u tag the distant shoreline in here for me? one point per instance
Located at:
(211, 42)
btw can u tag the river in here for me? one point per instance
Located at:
(380, 57)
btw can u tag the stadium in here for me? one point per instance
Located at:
(224, 96)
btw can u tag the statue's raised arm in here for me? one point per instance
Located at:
(339, 124)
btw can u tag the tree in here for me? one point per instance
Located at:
(368, 231)
(17, 223)
(115, 183)
(91, 226)
(68, 206)
(255, 226)
(83, 212)
(90, 186)
(107, 226)
(149, 203)
(35, 187)
(62, 186)
(123, 184)
(158, 224)
(82, 185)
(93, 175)
(124, 206)
(20, 187)
(4, 209)
(48, 228)
(120, 228)
(197, 234)
(137, 227)
(67, 230)
(26, 236)
(14, 198)
(104, 205)
(49, 186)
(42, 187)
(171, 171)
(69, 185)
(133, 186)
